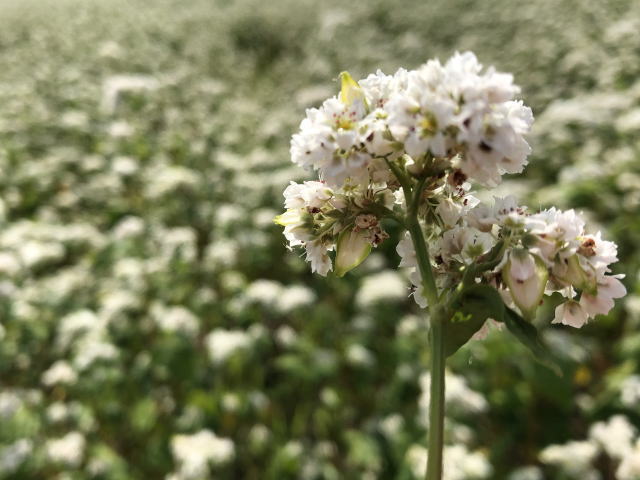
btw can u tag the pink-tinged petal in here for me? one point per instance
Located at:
(612, 287)
(596, 305)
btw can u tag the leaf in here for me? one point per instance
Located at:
(475, 305)
(351, 250)
(529, 337)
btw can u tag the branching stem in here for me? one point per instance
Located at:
(413, 197)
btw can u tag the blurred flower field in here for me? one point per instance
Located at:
(153, 324)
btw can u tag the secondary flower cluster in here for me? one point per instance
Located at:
(533, 254)
(321, 218)
(410, 144)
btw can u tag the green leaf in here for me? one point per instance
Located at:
(529, 337)
(474, 306)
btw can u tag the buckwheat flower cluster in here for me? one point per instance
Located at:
(409, 147)
(547, 252)
(533, 254)
(321, 218)
(456, 112)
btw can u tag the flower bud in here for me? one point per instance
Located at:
(352, 248)
(350, 91)
(570, 272)
(526, 276)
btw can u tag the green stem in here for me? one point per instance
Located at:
(436, 407)
(424, 264)
(420, 246)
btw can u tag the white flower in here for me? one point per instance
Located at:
(358, 355)
(309, 194)
(34, 253)
(463, 244)
(495, 142)
(9, 264)
(408, 259)
(630, 391)
(629, 468)
(329, 141)
(221, 344)
(378, 87)
(614, 436)
(116, 85)
(420, 114)
(526, 473)
(574, 458)
(406, 251)
(263, 291)
(484, 217)
(293, 297)
(91, 349)
(175, 319)
(570, 313)
(304, 202)
(10, 402)
(68, 450)
(60, 372)
(286, 336)
(194, 453)
(451, 210)
(14, 455)
(76, 324)
(556, 224)
(317, 255)
(128, 227)
(382, 287)
(609, 287)
(458, 463)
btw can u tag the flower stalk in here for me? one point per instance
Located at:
(436, 407)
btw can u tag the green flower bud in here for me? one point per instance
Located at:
(526, 276)
(350, 91)
(569, 271)
(351, 250)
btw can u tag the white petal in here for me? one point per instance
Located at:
(570, 313)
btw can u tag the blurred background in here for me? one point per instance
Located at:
(153, 324)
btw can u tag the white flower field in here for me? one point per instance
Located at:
(154, 323)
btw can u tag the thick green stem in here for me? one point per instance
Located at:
(436, 407)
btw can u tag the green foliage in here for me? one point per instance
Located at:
(527, 334)
(474, 305)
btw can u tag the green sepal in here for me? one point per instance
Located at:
(575, 275)
(351, 250)
(528, 335)
(472, 308)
